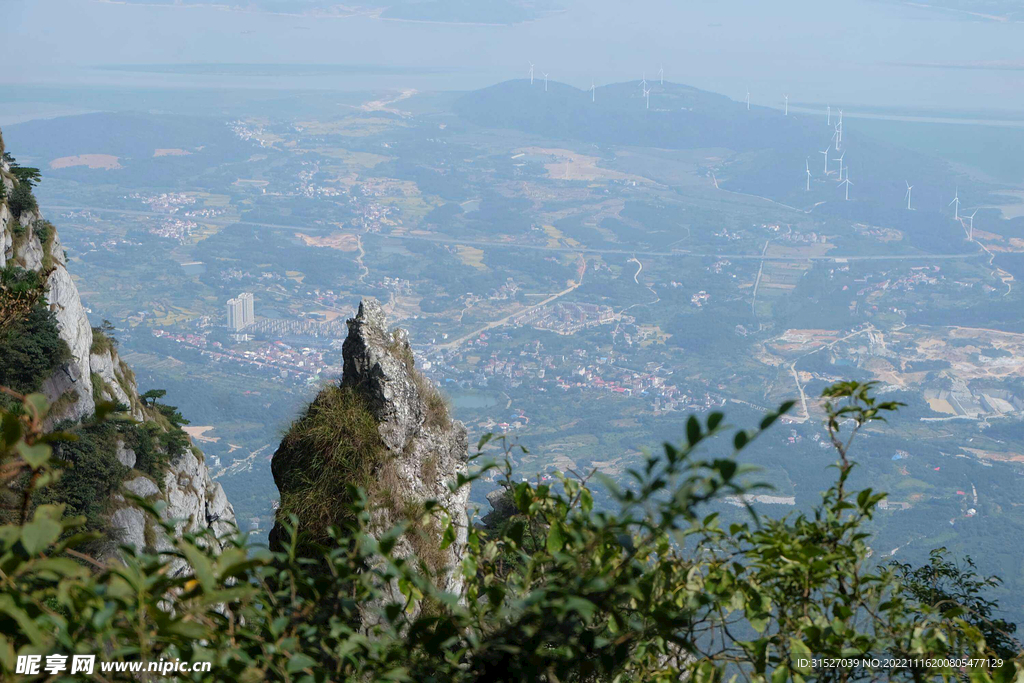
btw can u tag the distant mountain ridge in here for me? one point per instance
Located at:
(446, 11)
(770, 150)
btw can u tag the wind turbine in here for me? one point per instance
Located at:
(970, 235)
(828, 113)
(647, 95)
(841, 165)
(807, 164)
(593, 91)
(956, 200)
(825, 152)
(835, 138)
(847, 183)
(787, 104)
(531, 73)
(661, 74)
(909, 188)
(748, 100)
(643, 81)
(545, 81)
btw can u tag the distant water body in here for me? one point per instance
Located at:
(857, 53)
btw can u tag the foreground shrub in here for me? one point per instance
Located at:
(557, 590)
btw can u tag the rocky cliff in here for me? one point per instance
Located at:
(385, 428)
(92, 371)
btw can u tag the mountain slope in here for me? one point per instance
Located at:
(49, 346)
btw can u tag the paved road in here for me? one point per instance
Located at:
(677, 253)
(497, 323)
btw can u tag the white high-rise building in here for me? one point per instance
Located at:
(248, 309)
(236, 314)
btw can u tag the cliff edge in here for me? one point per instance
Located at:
(49, 346)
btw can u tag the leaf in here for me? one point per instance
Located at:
(586, 500)
(556, 538)
(201, 565)
(10, 429)
(38, 405)
(740, 440)
(43, 530)
(448, 537)
(27, 624)
(515, 533)
(299, 661)
(35, 455)
(692, 430)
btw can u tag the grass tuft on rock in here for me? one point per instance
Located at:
(334, 444)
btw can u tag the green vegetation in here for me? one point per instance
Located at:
(24, 177)
(90, 472)
(22, 199)
(653, 590)
(333, 446)
(30, 346)
(103, 340)
(20, 289)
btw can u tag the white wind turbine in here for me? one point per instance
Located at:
(593, 91)
(825, 152)
(647, 96)
(748, 100)
(909, 188)
(787, 104)
(970, 235)
(956, 200)
(828, 113)
(545, 81)
(661, 74)
(847, 183)
(643, 81)
(807, 165)
(531, 73)
(841, 156)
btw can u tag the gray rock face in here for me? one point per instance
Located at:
(371, 359)
(73, 323)
(141, 487)
(6, 236)
(117, 386)
(194, 500)
(125, 456)
(129, 526)
(425, 456)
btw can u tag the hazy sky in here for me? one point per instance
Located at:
(857, 52)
